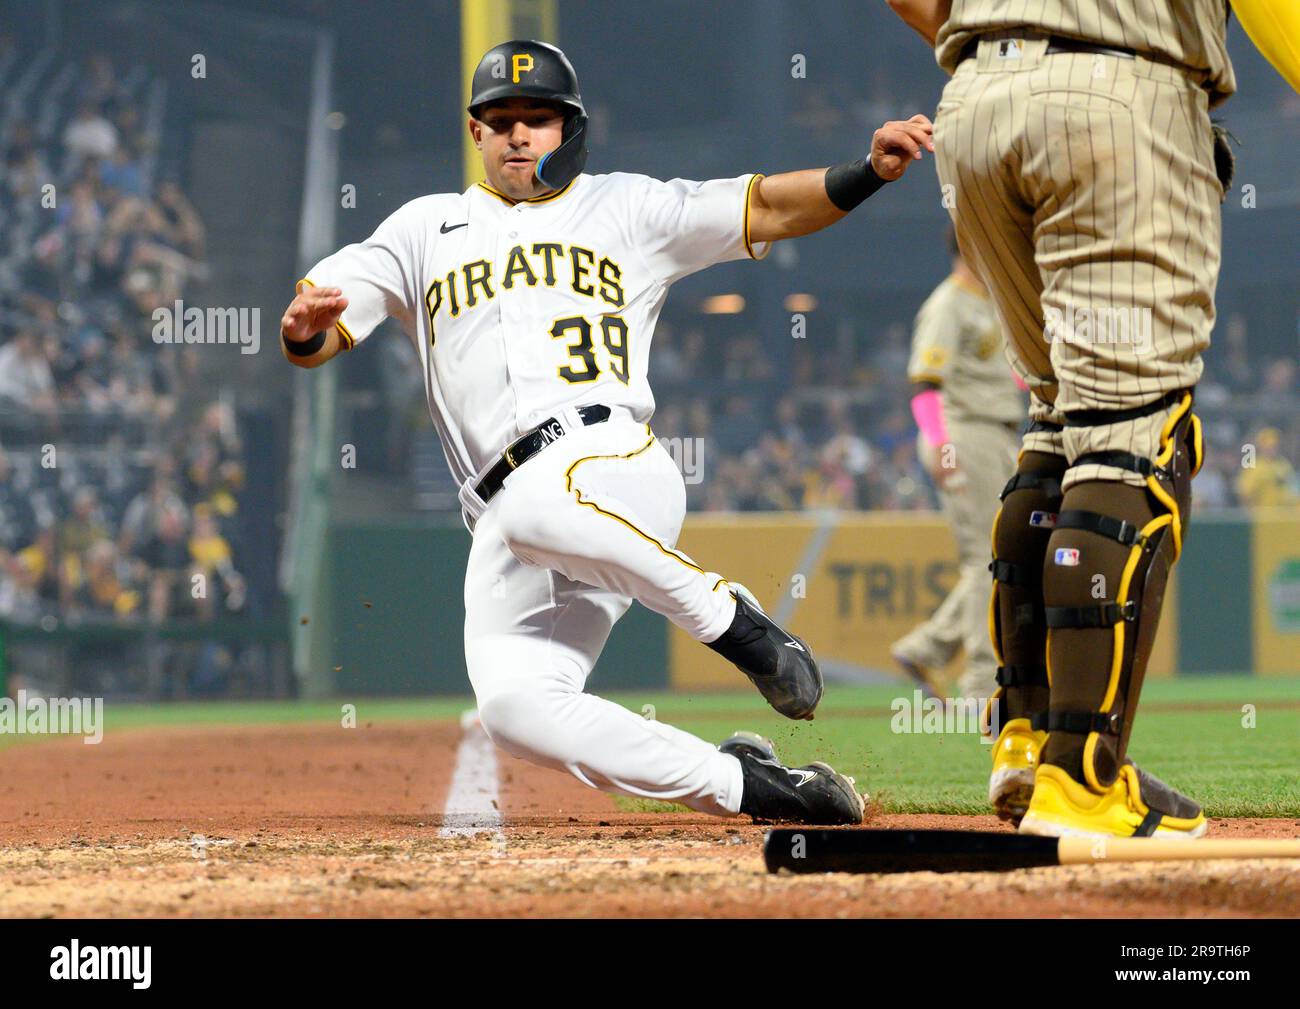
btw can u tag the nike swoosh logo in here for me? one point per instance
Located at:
(802, 774)
(794, 644)
(444, 229)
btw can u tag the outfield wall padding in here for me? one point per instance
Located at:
(851, 583)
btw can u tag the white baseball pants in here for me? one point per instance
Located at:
(578, 531)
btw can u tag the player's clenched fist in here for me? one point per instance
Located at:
(898, 143)
(307, 333)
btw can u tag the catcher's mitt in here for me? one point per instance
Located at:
(1224, 160)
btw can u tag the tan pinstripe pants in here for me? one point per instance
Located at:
(1083, 188)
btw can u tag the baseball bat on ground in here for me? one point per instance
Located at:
(860, 850)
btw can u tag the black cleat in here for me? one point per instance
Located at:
(740, 743)
(780, 664)
(1165, 798)
(815, 794)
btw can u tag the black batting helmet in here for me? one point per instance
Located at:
(524, 68)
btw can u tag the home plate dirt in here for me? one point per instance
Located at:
(318, 820)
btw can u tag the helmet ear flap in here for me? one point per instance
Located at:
(557, 168)
(574, 125)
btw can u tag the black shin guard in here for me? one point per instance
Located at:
(1021, 532)
(1109, 563)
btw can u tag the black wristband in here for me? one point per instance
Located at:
(304, 348)
(849, 184)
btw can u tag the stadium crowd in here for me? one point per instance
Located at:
(120, 473)
(839, 432)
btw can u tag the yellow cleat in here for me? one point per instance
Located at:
(1136, 805)
(1015, 757)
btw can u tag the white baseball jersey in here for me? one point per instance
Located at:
(519, 310)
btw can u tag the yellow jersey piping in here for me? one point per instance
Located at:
(749, 245)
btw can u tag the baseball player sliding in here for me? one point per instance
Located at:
(532, 299)
(1085, 177)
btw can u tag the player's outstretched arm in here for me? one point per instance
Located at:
(925, 16)
(308, 336)
(799, 203)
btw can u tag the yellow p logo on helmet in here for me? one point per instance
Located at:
(520, 63)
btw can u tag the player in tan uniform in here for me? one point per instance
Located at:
(1076, 155)
(968, 411)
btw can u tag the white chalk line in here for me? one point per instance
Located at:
(473, 804)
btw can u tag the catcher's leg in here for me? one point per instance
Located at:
(1104, 581)
(1021, 532)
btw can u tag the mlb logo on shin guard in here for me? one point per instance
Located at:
(1043, 520)
(1067, 557)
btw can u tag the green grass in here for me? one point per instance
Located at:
(1190, 733)
(129, 716)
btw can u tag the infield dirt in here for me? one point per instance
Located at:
(317, 820)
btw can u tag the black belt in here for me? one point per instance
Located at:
(520, 451)
(1060, 44)
(1098, 418)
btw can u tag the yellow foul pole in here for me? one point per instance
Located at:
(484, 24)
